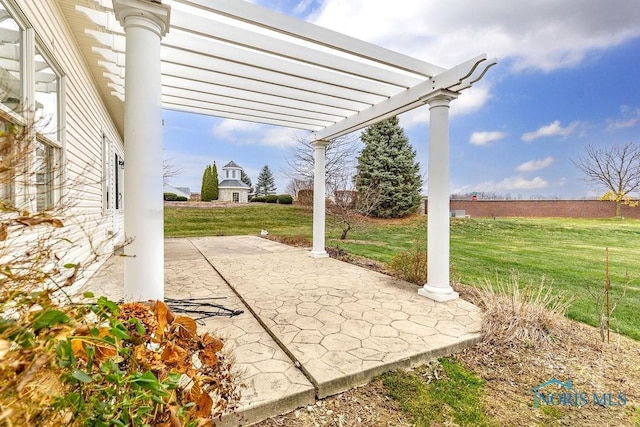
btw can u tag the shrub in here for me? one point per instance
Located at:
(411, 265)
(259, 199)
(529, 316)
(170, 197)
(285, 199)
(181, 199)
(271, 198)
(305, 197)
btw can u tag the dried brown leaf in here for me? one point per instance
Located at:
(186, 326)
(164, 316)
(204, 405)
(208, 355)
(3, 232)
(173, 354)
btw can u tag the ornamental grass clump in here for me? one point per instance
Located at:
(528, 315)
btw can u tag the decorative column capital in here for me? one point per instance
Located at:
(142, 13)
(440, 98)
(320, 143)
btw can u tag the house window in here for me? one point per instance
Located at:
(227, 173)
(234, 174)
(106, 174)
(236, 197)
(7, 162)
(44, 172)
(29, 81)
(118, 181)
(46, 97)
(11, 73)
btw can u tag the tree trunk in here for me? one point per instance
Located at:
(345, 231)
(618, 204)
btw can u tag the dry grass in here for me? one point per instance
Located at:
(528, 314)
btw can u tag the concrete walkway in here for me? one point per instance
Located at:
(311, 327)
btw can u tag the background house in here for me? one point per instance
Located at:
(231, 188)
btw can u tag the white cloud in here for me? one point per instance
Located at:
(246, 133)
(484, 138)
(517, 182)
(302, 7)
(535, 165)
(630, 118)
(533, 34)
(552, 129)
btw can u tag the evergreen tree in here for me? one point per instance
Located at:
(214, 182)
(245, 178)
(387, 164)
(266, 183)
(205, 192)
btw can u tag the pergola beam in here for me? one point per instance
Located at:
(407, 100)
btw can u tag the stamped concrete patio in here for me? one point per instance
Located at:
(310, 327)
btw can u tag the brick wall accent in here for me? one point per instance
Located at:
(541, 208)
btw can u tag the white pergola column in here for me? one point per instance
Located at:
(437, 286)
(145, 23)
(319, 160)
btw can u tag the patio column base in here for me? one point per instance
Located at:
(438, 294)
(318, 254)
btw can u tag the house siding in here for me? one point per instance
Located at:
(87, 122)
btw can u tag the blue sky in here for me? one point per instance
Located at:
(568, 76)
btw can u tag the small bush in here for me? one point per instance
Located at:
(271, 198)
(285, 199)
(181, 199)
(258, 199)
(411, 265)
(305, 197)
(529, 316)
(170, 197)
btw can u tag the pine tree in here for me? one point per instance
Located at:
(266, 183)
(387, 164)
(214, 182)
(205, 194)
(245, 178)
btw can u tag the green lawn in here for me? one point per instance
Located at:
(568, 252)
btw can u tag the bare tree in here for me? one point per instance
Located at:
(169, 168)
(349, 206)
(340, 157)
(616, 168)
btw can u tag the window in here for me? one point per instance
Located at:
(29, 81)
(119, 183)
(46, 97)
(7, 163)
(11, 74)
(234, 174)
(44, 171)
(236, 197)
(112, 177)
(227, 173)
(106, 174)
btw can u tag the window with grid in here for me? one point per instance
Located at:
(30, 100)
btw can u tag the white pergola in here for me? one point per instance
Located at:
(236, 60)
